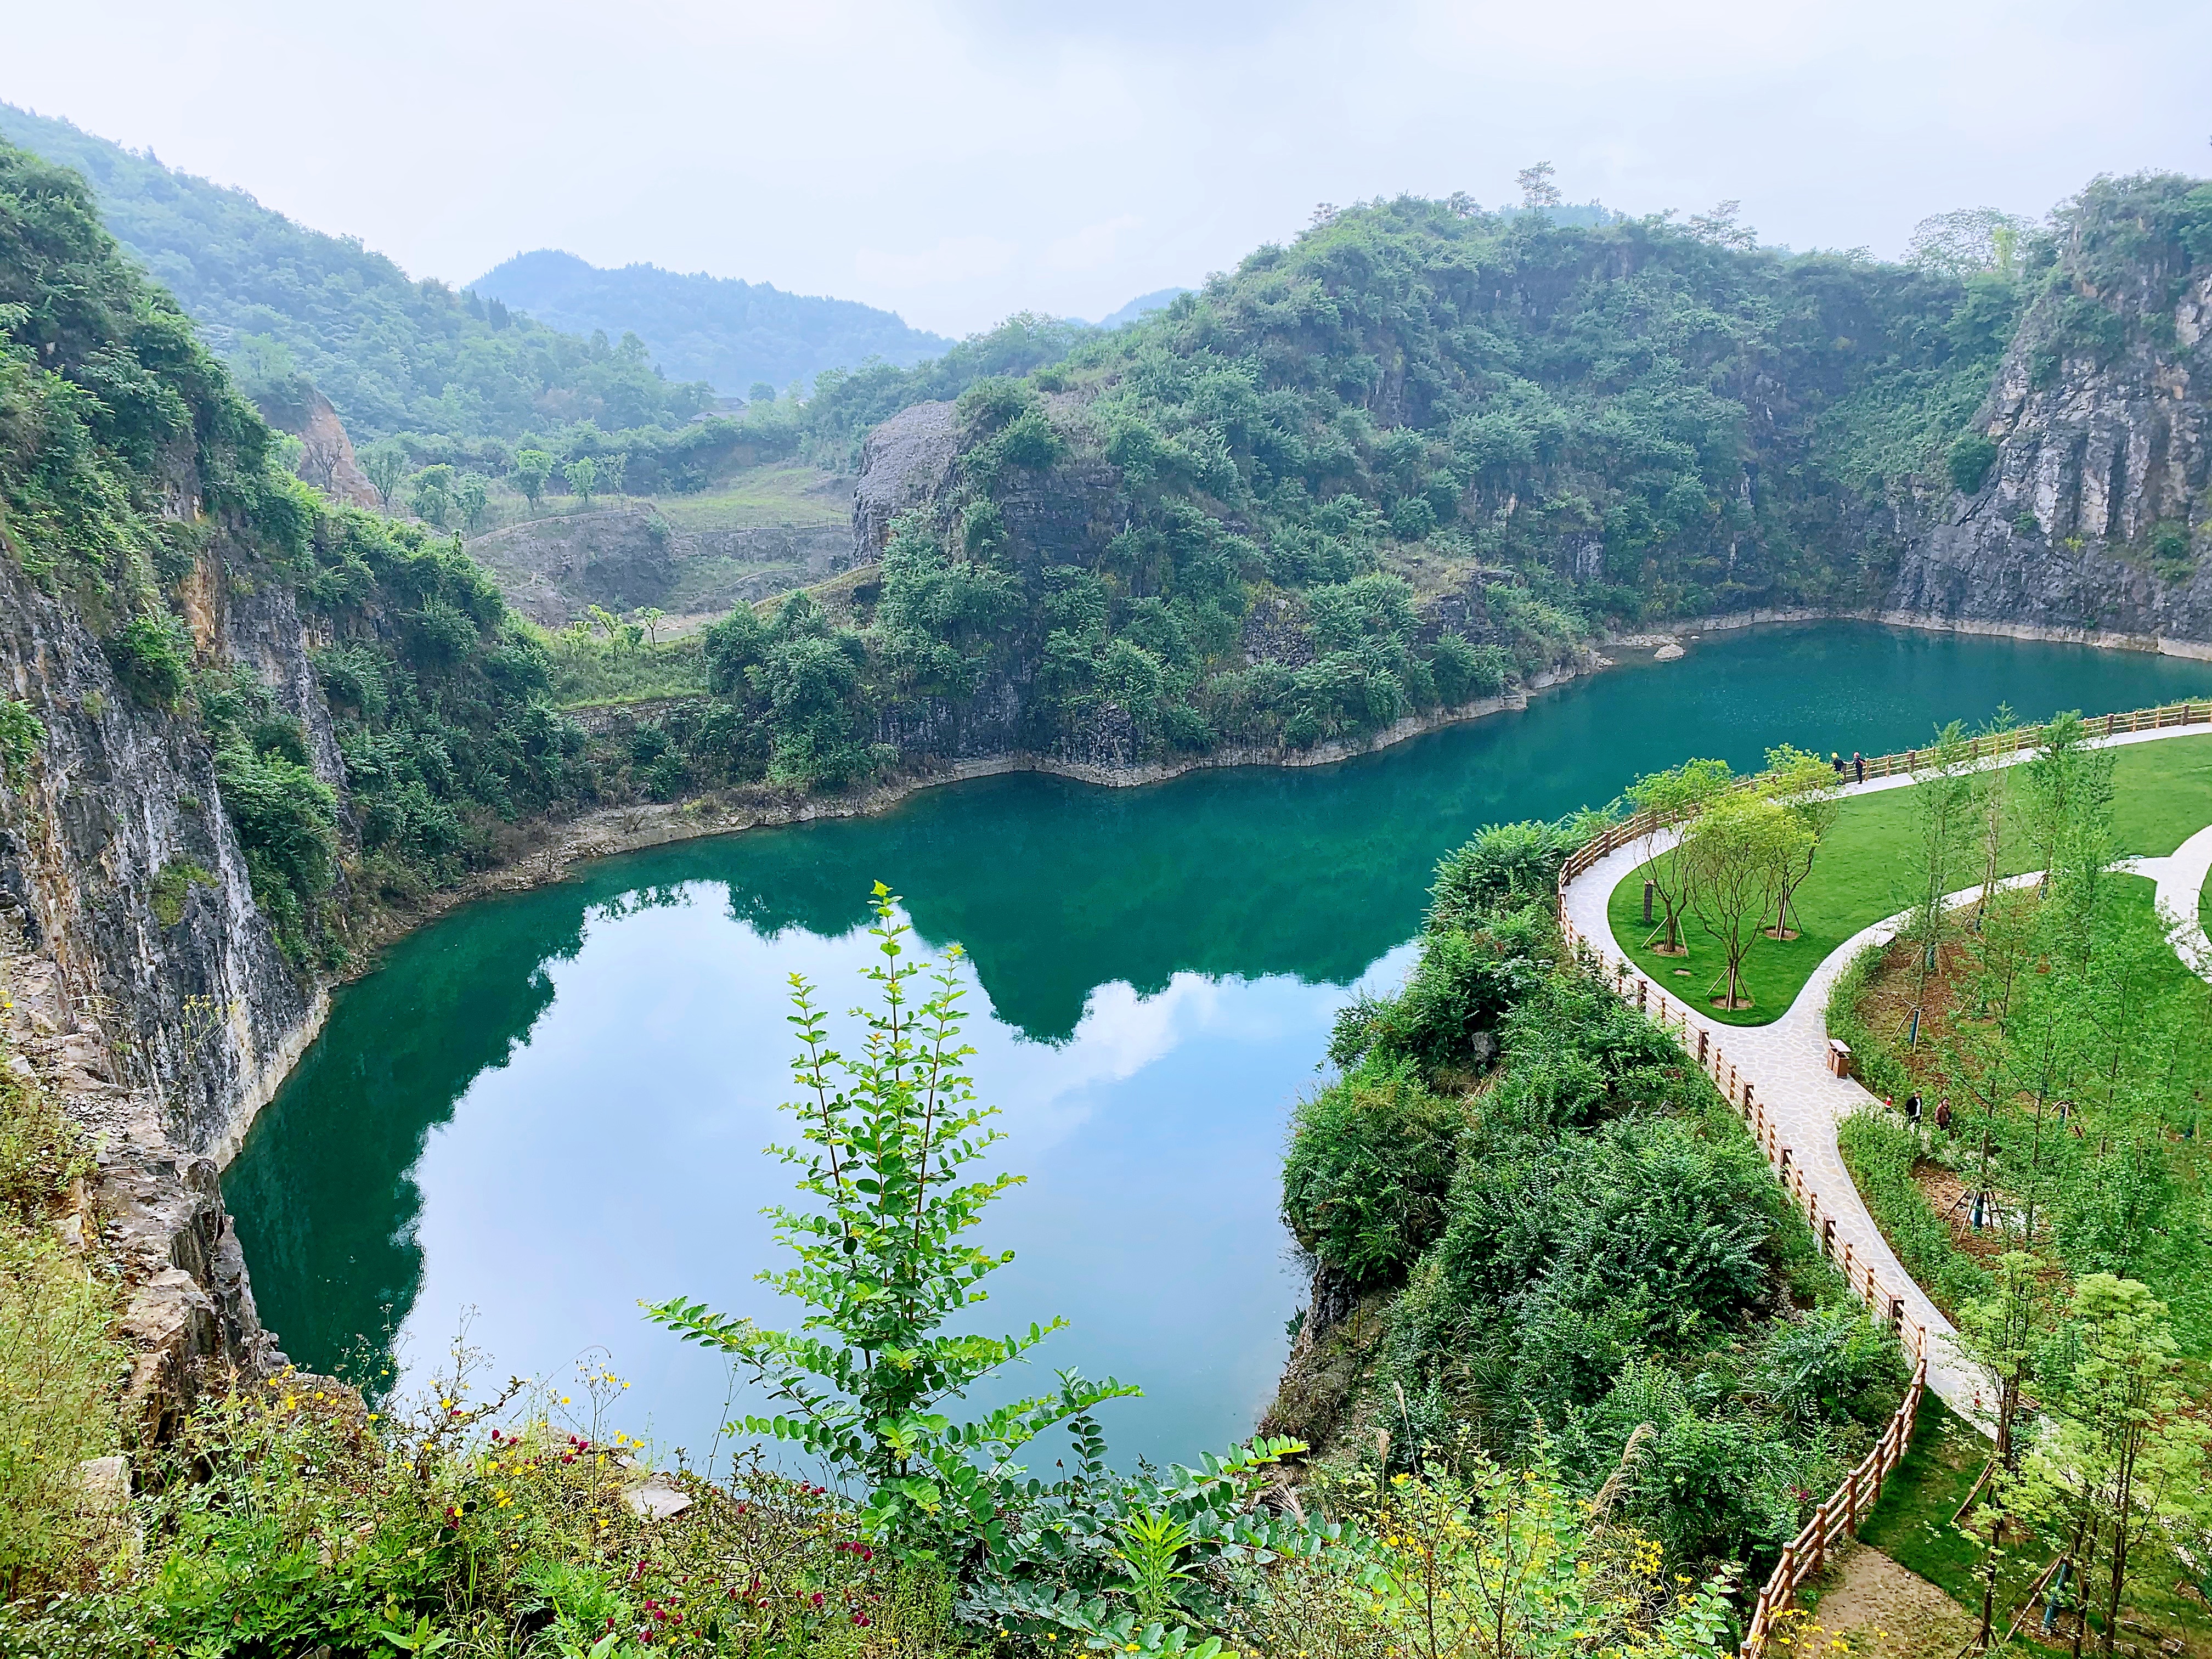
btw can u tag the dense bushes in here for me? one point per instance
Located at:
(1880, 1150)
(1371, 1158)
(1609, 1249)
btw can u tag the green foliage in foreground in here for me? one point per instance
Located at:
(882, 1265)
(497, 1528)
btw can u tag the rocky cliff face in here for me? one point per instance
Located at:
(166, 1008)
(2092, 522)
(326, 459)
(907, 462)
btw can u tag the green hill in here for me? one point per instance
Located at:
(279, 301)
(1653, 422)
(733, 334)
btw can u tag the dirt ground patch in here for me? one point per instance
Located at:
(1948, 1197)
(1878, 1606)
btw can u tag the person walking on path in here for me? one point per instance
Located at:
(1858, 764)
(1836, 760)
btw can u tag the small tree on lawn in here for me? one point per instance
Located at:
(1739, 850)
(1993, 798)
(1943, 802)
(2067, 804)
(883, 1264)
(1810, 790)
(1671, 798)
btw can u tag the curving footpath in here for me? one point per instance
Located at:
(2180, 876)
(1794, 1101)
(1798, 1103)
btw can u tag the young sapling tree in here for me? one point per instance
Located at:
(1810, 790)
(884, 1262)
(1670, 799)
(1739, 853)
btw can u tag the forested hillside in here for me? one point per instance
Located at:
(140, 499)
(1412, 457)
(1658, 419)
(736, 335)
(279, 301)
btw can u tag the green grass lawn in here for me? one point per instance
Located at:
(1911, 1525)
(787, 493)
(1864, 873)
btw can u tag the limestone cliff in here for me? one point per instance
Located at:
(2091, 521)
(169, 1012)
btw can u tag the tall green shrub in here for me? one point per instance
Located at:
(1371, 1162)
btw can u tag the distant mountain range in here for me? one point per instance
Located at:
(1158, 300)
(285, 303)
(532, 347)
(733, 334)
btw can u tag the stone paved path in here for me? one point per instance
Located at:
(1786, 1064)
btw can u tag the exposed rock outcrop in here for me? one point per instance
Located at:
(907, 462)
(2092, 522)
(172, 1014)
(327, 460)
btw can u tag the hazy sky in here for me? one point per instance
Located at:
(960, 161)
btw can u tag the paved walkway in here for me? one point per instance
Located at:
(2180, 877)
(1798, 1101)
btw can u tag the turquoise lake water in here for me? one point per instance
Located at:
(548, 1107)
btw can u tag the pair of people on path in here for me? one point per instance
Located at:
(1942, 1111)
(1857, 763)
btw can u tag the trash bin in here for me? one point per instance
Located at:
(1839, 1057)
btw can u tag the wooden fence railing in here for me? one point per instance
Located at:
(1839, 1514)
(1907, 761)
